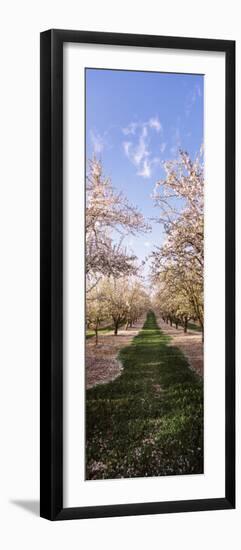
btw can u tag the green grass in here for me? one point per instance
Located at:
(193, 326)
(103, 330)
(149, 421)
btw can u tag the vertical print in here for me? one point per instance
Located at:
(144, 274)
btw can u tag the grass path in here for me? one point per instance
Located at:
(190, 343)
(149, 421)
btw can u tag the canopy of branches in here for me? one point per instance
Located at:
(109, 218)
(178, 264)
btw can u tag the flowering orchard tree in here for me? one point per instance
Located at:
(125, 299)
(178, 264)
(96, 309)
(116, 299)
(108, 212)
(173, 301)
(138, 301)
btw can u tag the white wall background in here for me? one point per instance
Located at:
(21, 23)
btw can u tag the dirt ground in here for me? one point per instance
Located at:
(102, 364)
(189, 343)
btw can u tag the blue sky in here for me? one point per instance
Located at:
(135, 121)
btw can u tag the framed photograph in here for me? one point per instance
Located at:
(137, 274)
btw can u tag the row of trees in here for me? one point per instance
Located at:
(178, 265)
(113, 290)
(117, 300)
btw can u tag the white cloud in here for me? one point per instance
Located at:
(154, 122)
(141, 151)
(147, 244)
(145, 170)
(98, 141)
(137, 148)
(137, 153)
(163, 147)
(130, 129)
(144, 131)
(127, 147)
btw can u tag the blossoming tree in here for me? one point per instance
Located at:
(109, 218)
(178, 264)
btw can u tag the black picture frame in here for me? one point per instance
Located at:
(51, 324)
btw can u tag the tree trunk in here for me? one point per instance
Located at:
(116, 327)
(176, 325)
(185, 325)
(96, 335)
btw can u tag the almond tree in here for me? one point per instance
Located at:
(126, 300)
(173, 302)
(116, 300)
(181, 258)
(137, 301)
(108, 215)
(96, 309)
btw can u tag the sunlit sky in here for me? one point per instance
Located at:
(135, 121)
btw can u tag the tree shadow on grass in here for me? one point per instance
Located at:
(133, 430)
